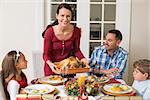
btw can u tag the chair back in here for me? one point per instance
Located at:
(38, 64)
(2, 93)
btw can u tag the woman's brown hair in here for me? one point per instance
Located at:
(62, 5)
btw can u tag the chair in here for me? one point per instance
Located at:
(38, 64)
(2, 94)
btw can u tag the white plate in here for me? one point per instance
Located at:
(125, 88)
(52, 81)
(39, 89)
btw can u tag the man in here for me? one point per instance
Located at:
(109, 59)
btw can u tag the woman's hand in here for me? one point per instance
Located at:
(53, 67)
(84, 60)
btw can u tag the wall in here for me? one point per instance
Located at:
(21, 25)
(139, 33)
(149, 28)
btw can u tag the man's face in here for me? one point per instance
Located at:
(111, 42)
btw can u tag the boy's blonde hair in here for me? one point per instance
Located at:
(143, 65)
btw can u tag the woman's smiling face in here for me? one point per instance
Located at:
(64, 17)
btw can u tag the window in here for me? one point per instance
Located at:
(54, 5)
(95, 18)
(102, 19)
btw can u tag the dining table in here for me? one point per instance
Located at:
(63, 94)
(60, 92)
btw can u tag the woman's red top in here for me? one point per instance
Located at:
(56, 50)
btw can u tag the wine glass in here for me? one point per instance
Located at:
(64, 73)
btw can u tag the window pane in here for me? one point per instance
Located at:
(110, 0)
(71, 0)
(107, 27)
(56, 0)
(95, 12)
(92, 46)
(74, 9)
(95, 31)
(109, 12)
(74, 24)
(53, 11)
(96, 0)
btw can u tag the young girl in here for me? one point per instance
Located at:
(141, 76)
(13, 78)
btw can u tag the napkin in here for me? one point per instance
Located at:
(47, 97)
(113, 81)
(21, 97)
(34, 97)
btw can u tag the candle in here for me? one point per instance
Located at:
(81, 81)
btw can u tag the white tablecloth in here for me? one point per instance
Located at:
(62, 93)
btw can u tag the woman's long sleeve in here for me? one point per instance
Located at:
(77, 50)
(47, 46)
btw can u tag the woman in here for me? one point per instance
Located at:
(61, 39)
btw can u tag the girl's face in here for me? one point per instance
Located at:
(22, 62)
(64, 17)
(138, 75)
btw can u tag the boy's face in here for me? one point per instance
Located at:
(137, 75)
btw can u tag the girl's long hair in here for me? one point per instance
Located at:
(8, 68)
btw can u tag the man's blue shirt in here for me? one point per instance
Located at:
(101, 60)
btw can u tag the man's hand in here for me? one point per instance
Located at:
(113, 71)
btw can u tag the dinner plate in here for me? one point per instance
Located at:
(117, 88)
(53, 79)
(39, 89)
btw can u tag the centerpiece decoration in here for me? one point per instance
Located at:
(82, 85)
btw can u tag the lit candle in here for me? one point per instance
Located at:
(81, 81)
